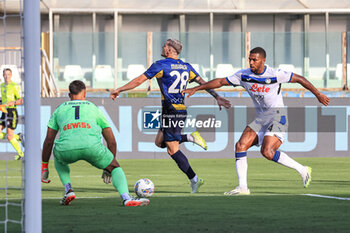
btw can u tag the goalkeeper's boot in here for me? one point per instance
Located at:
(68, 197)
(238, 191)
(21, 138)
(195, 186)
(19, 156)
(136, 202)
(306, 176)
(197, 138)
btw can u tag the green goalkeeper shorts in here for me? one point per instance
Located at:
(98, 156)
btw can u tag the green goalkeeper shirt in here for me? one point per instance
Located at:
(80, 124)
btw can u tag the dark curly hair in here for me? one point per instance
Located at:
(76, 86)
(259, 50)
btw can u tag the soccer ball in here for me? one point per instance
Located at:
(144, 188)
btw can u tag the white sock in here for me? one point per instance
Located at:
(194, 179)
(289, 162)
(190, 138)
(67, 187)
(125, 196)
(242, 170)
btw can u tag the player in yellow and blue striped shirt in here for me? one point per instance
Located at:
(173, 75)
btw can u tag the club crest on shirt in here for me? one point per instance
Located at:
(268, 81)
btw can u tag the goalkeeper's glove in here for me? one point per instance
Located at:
(107, 177)
(45, 172)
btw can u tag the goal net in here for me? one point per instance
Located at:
(11, 171)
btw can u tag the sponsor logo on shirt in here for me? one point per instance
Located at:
(76, 125)
(177, 100)
(259, 88)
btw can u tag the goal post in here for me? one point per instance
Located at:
(32, 217)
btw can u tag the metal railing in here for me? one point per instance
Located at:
(48, 81)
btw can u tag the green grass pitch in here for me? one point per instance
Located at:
(277, 203)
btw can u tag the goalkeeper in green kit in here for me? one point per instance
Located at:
(81, 124)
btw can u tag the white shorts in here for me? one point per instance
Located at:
(276, 125)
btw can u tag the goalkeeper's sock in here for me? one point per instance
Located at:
(282, 158)
(119, 181)
(63, 172)
(242, 169)
(17, 147)
(2, 135)
(68, 187)
(183, 164)
(125, 196)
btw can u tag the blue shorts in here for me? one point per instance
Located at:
(172, 124)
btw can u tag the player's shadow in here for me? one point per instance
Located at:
(53, 189)
(171, 192)
(283, 180)
(108, 189)
(81, 189)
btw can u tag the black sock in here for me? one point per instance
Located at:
(183, 164)
(183, 138)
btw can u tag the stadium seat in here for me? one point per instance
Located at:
(196, 68)
(72, 72)
(103, 76)
(135, 70)
(224, 70)
(16, 77)
(103, 73)
(298, 70)
(317, 73)
(200, 71)
(339, 71)
(287, 67)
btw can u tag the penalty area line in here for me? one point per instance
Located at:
(329, 197)
(198, 195)
(204, 195)
(184, 195)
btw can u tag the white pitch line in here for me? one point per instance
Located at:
(329, 197)
(184, 195)
(149, 175)
(207, 195)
